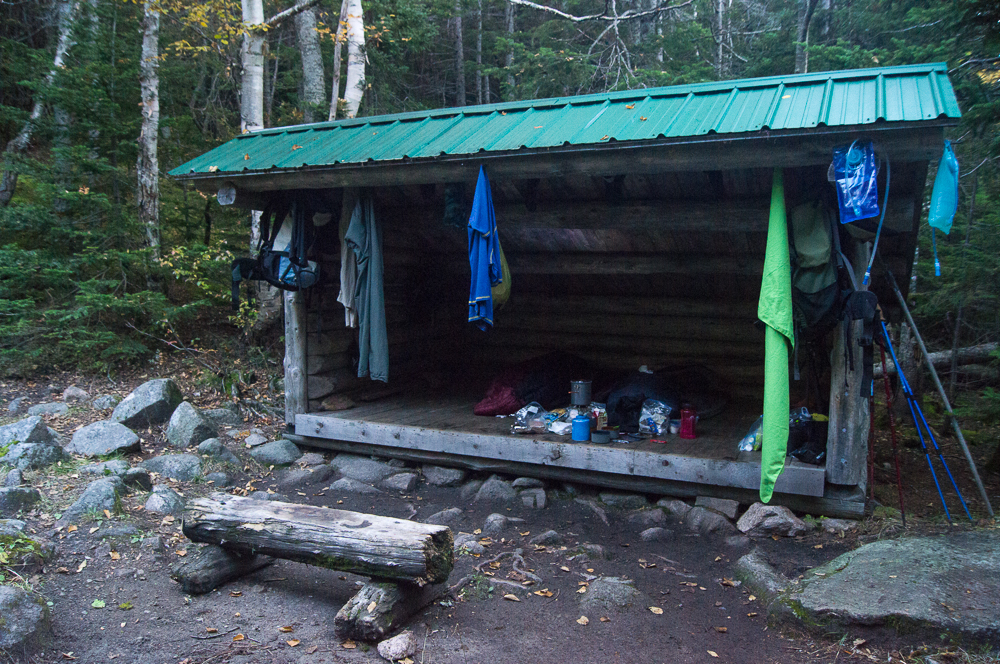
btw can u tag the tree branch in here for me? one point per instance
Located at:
(291, 11)
(603, 16)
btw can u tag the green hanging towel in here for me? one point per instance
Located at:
(775, 310)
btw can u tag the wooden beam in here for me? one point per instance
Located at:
(628, 263)
(366, 544)
(797, 478)
(752, 347)
(764, 149)
(296, 394)
(632, 325)
(379, 608)
(209, 567)
(677, 307)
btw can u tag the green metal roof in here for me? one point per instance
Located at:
(911, 93)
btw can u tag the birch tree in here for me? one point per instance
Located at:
(354, 88)
(313, 77)
(459, 57)
(340, 36)
(147, 167)
(66, 13)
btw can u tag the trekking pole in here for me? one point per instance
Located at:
(892, 431)
(940, 389)
(909, 402)
(930, 434)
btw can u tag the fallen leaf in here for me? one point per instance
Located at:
(115, 555)
(643, 118)
(729, 582)
(630, 106)
(544, 592)
(525, 533)
(80, 568)
(702, 588)
(235, 593)
(564, 568)
(818, 546)
(722, 630)
(296, 147)
(94, 529)
(605, 619)
(98, 604)
(182, 553)
(212, 630)
(892, 576)
(246, 157)
(350, 645)
(371, 606)
(477, 531)
(289, 628)
(311, 649)
(605, 137)
(293, 642)
(752, 597)
(239, 637)
(582, 589)
(212, 169)
(512, 597)
(752, 614)
(62, 570)
(107, 514)
(713, 653)
(68, 655)
(406, 660)
(590, 569)
(583, 620)
(72, 529)
(538, 127)
(657, 610)
(718, 558)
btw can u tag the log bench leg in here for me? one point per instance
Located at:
(381, 607)
(211, 566)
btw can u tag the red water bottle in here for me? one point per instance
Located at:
(688, 419)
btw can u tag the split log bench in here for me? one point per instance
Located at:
(408, 562)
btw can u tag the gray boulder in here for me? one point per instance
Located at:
(495, 490)
(363, 469)
(29, 430)
(255, 440)
(468, 543)
(100, 495)
(835, 526)
(656, 534)
(17, 406)
(104, 437)
(183, 467)
(279, 453)
(400, 482)
(495, 525)
(55, 408)
(26, 625)
(218, 479)
(164, 500)
(297, 479)
(647, 517)
(727, 508)
(13, 478)
(116, 467)
(533, 498)
(29, 456)
(470, 489)
(12, 527)
(14, 500)
(704, 521)
(676, 507)
(151, 403)
(450, 517)
(625, 501)
(548, 538)
(224, 417)
(188, 427)
(312, 459)
(762, 520)
(137, 479)
(609, 593)
(443, 477)
(528, 483)
(105, 402)
(347, 485)
(214, 448)
(398, 647)
(74, 393)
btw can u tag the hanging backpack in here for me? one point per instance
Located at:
(286, 267)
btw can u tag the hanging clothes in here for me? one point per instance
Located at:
(775, 310)
(348, 260)
(364, 235)
(484, 255)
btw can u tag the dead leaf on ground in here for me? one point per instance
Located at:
(235, 593)
(68, 655)
(818, 546)
(713, 653)
(752, 614)
(860, 642)
(564, 568)
(239, 637)
(350, 645)
(657, 610)
(115, 555)
(582, 589)
(722, 630)
(729, 582)
(583, 620)
(372, 605)
(544, 592)
(211, 630)
(72, 529)
(293, 642)
(182, 553)
(94, 529)
(477, 531)
(605, 619)
(512, 597)
(81, 567)
(107, 514)
(525, 533)
(62, 570)
(311, 649)
(752, 597)
(287, 628)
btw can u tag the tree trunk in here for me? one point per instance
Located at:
(509, 60)
(479, 53)
(354, 88)
(209, 567)
(66, 13)
(147, 167)
(379, 608)
(341, 37)
(459, 57)
(806, 10)
(376, 546)
(252, 85)
(313, 76)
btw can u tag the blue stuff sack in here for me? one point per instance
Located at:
(944, 199)
(855, 172)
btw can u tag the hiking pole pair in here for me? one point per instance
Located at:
(915, 410)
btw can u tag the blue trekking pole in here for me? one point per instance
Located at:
(921, 420)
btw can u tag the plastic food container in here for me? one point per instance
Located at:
(601, 437)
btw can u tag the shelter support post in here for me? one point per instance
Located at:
(296, 398)
(847, 441)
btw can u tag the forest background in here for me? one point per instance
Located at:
(104, 262)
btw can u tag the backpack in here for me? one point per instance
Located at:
(286, 267)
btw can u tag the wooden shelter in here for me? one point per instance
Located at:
(634, 224)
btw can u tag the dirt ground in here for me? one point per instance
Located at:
(284, 613)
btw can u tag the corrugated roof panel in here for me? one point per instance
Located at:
(846, 98)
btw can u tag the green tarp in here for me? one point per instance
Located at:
(775, 310)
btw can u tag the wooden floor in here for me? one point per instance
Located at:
(444, 428)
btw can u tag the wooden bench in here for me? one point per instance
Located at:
(408, 562)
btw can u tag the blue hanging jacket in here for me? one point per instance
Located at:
(484, 255)
(944, 198)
